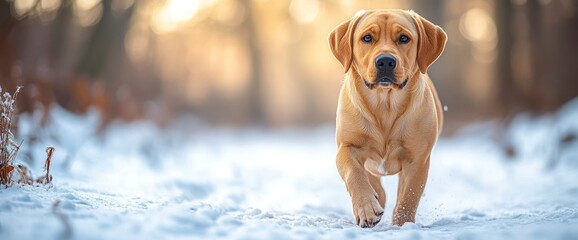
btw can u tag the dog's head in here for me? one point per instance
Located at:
(387, 47)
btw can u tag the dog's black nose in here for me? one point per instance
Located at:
(385, 62)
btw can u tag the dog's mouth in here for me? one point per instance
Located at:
(385, 83)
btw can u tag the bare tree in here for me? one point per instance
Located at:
(255, 93)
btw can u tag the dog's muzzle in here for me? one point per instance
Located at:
(385, 65)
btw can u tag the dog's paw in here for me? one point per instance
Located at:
(367, 210)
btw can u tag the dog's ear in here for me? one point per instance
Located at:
(431, 41)
(341, 40)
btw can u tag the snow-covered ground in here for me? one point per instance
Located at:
(136, 181)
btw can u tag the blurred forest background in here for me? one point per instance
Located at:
(267, 62)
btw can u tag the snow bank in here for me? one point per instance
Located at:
(136, 181)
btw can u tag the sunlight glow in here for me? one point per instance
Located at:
(47, 9)
(173, 14)
(86, 4)
(88, 12)
(476, 25)
(137, 43)
(304, 11)
(231, 13)
(22, 7)
(49, 5)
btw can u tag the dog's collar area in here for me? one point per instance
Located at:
(372, 85)
(402, 85)
(367, 84)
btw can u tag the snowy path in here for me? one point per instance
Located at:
(138, 182)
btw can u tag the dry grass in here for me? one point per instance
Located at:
(8, 147)
(47, 178)
(26, 177)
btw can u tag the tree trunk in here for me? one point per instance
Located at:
(536, 98)
(255, 93)
(508, 94)
(93, 59)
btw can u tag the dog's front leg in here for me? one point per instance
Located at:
(412, 180)
(364, 198)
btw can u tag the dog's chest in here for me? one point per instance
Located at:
(384, 149)
(387, 162)
(382, 167)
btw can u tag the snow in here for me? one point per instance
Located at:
(189, 181)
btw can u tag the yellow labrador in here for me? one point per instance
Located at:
(389, 115)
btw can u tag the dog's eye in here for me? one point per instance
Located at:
(367, 38)
(403, 39)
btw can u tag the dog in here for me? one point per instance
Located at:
(389, 115)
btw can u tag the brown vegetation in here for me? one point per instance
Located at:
(8, 147)
(47, 178)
